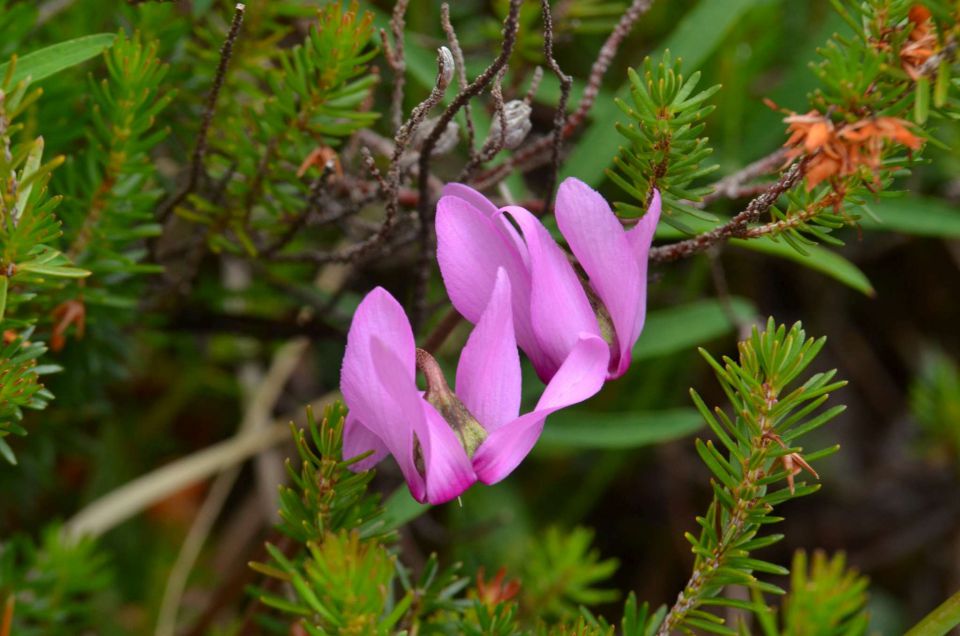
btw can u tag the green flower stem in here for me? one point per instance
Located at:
(941, 620)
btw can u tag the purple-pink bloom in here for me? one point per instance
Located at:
(445, 441)
(551, 305)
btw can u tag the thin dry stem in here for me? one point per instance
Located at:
(494, 143)
(534, 85)
(533, 155)
(454, 43)
(209, 109)
(510, 26)
(256, 417)
(390, 186)
(734, 186)
(560, 115)
(397, 60)
(737, 226)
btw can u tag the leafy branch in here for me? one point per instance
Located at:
(666, 151)
(771, 412)
(851, 144)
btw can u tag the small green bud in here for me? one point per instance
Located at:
(456, 414)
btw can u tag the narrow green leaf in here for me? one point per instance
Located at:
(921, 103)
(61, 271)
(913, 215)
(31, 166)
(57, 57)
(401, 508)
(584, 429)
(6, 452)
(4, 285)
(817, 258)
(686, 326)
(939, 621)
(710, 627)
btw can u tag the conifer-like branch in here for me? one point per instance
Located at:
(772, 409)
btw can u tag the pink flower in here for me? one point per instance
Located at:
(552, 306)
(445, 441)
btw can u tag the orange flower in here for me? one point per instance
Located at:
(70, 312)
(324, 158)
(840, 150)
(922, 41)
(495, 591)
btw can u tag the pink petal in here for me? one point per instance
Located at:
(471, 196)
(449, 470)
(559, 308)
(486, 207)
(580, 377)
(380, 316)
(447, 467)
(470, 250)
(641, 237)
(357, 440)
(488, 376)
(600, 244)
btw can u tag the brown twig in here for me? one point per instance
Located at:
(443, 329)
(454, 43)
(396, 60)
(313, 203)
(532, 155)
(560, 115)
(390, 186)
(735, 227)
(734, 186)
(534, 85)
(7, 623)
(494, 142)
(444, 76)
(510, 27)
(200, 149)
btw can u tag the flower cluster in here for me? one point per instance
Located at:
(840, 150)
(921, 44)
(505, 273)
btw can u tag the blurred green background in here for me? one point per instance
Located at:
(623, 465)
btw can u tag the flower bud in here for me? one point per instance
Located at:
(447, 66)
(470, 432)
(516, 113)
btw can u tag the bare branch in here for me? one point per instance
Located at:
(560, 115)
(390, 186)
(734, 186)
(497, 136)
(454, 43)
(607, 52)
(200, 150)
(531, 155)
(534, 85)
(396, 60)
(735, 227)
(510, 26)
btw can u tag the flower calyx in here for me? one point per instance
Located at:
(470, 432)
